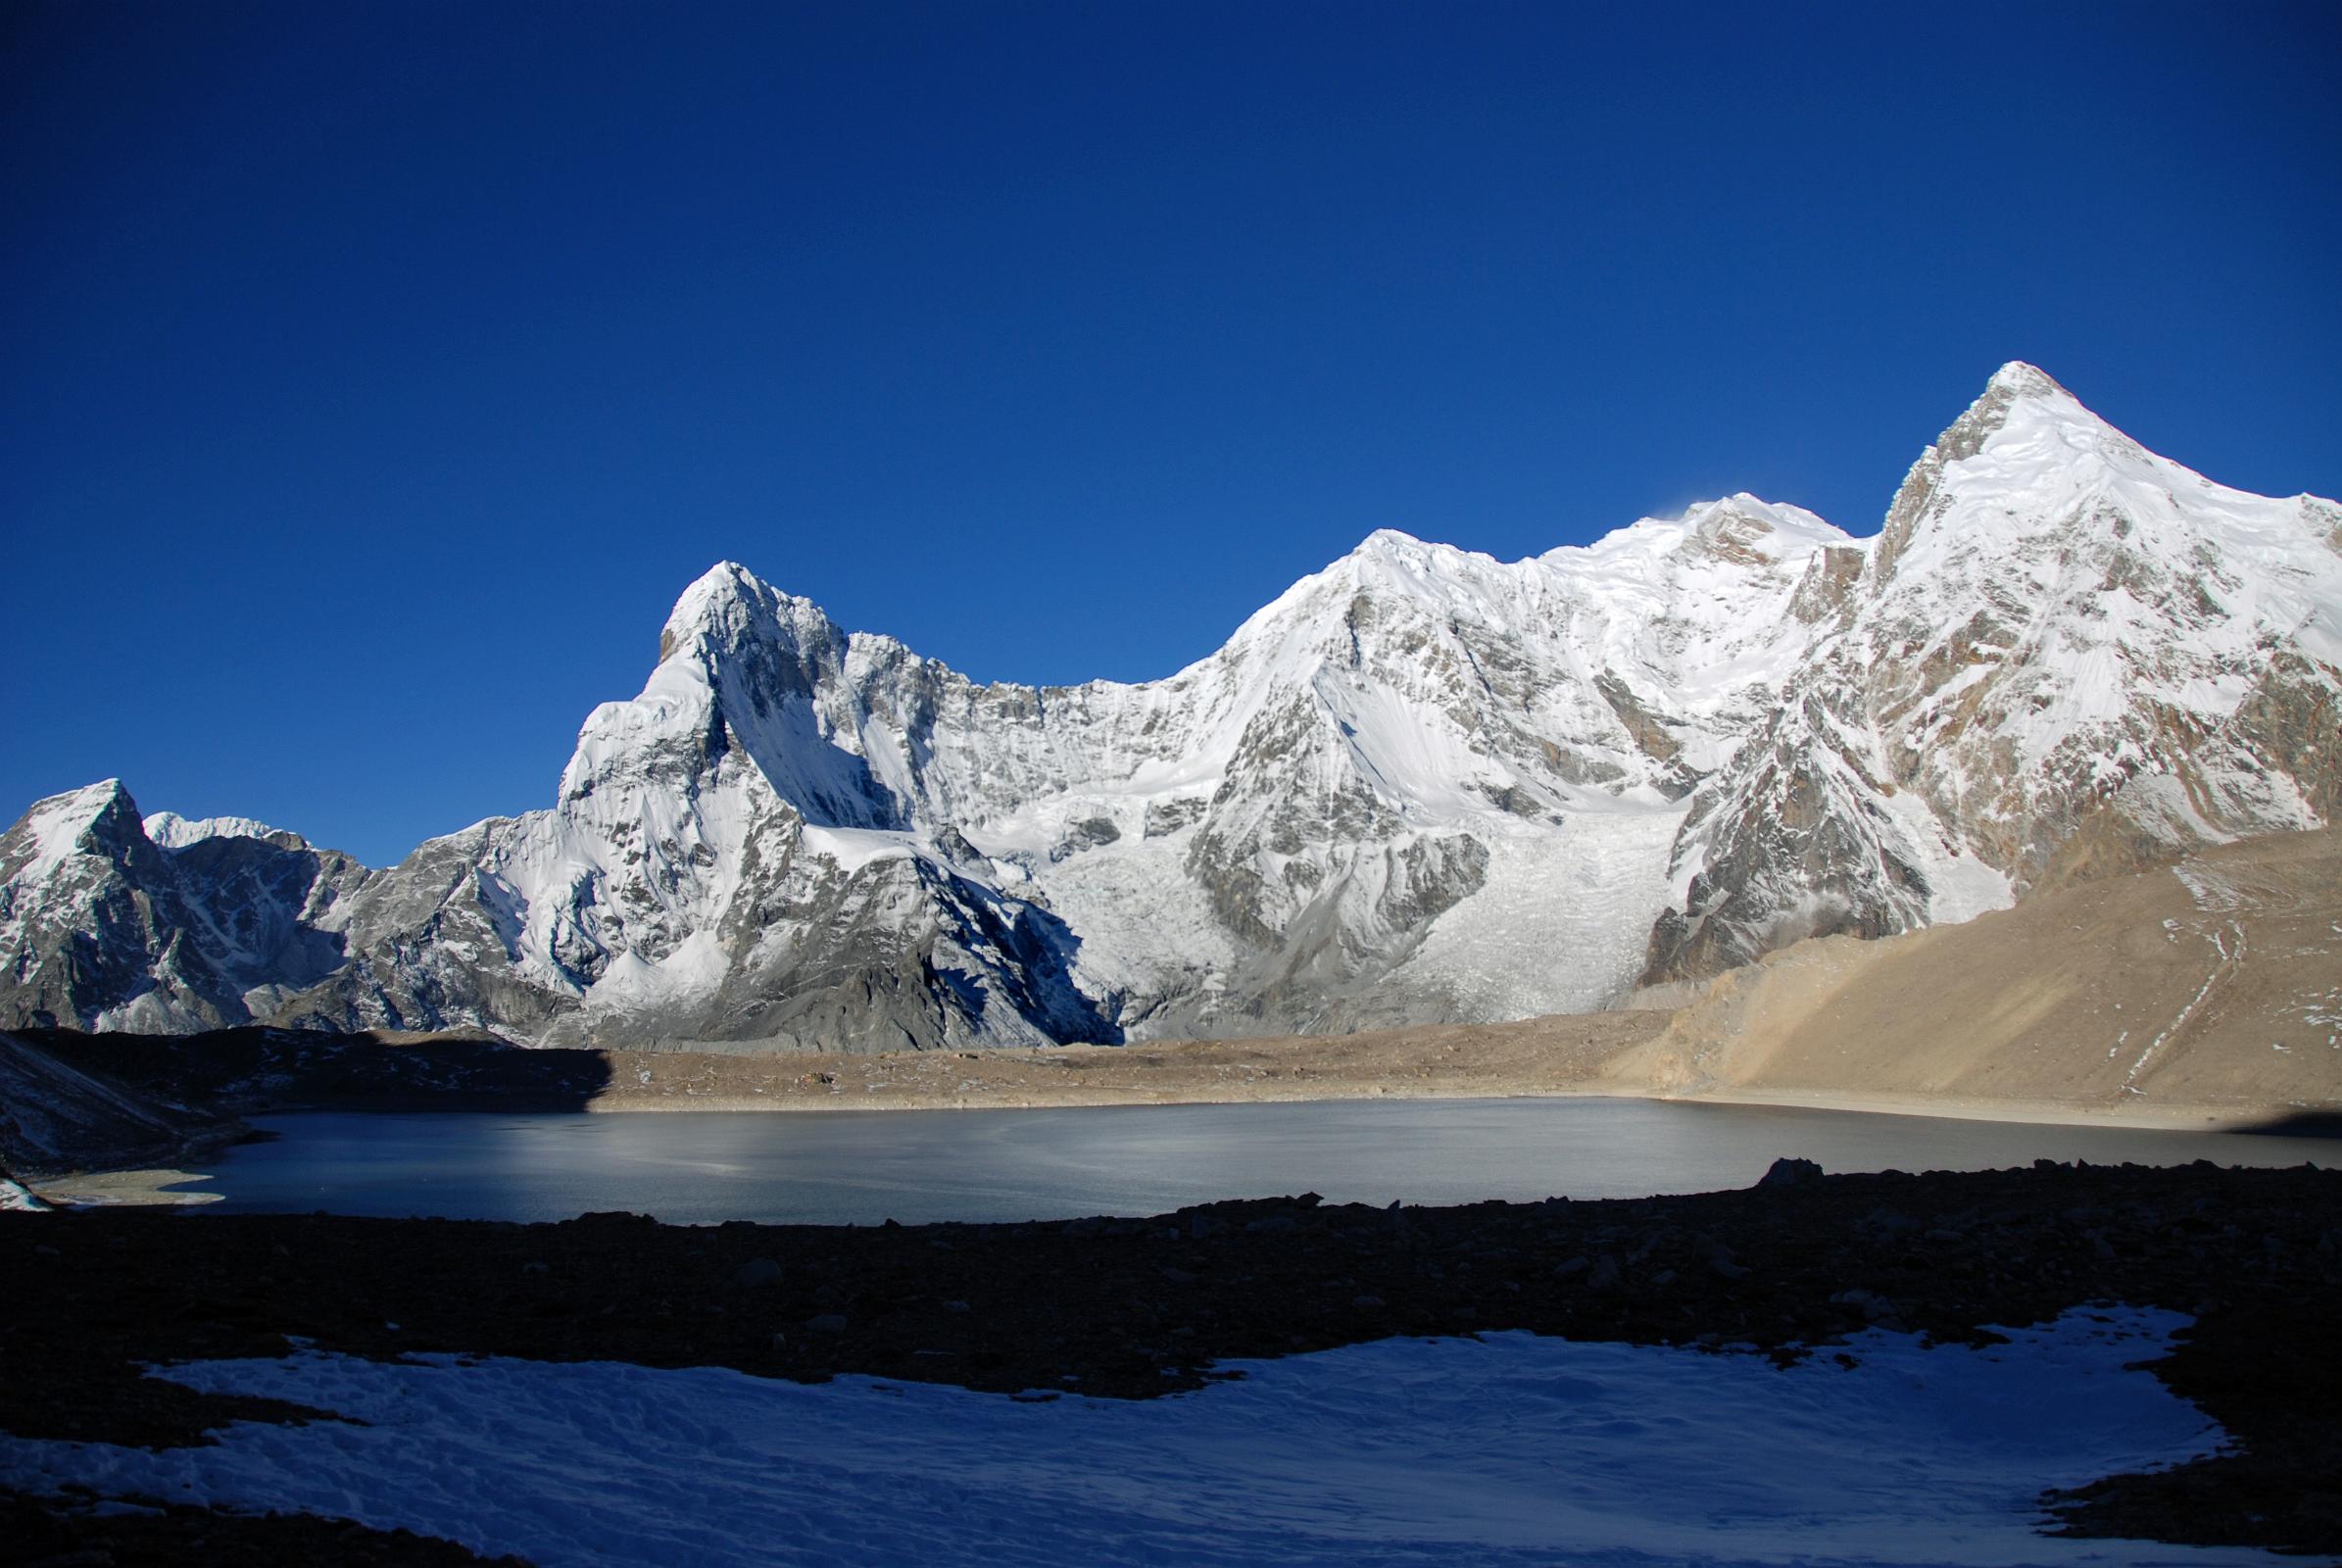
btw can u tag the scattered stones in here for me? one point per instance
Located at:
(1870, 1306)
(756, 1273)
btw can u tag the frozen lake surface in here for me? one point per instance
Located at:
(1510, 1451)
(863, 1167)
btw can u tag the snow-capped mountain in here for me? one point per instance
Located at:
(1421, 784)
(162, 925)
(2064, 656)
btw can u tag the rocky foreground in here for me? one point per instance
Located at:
(1135, 1308)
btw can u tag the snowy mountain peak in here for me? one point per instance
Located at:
(2065, 654)
(719, 597)
(1739, 529)
(102, 927)
(2021, 406)
(1741, 525)
(2018, 380)
(96, 820)
(729, 610)
(87, 802)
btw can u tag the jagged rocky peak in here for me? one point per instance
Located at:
(2018, 380)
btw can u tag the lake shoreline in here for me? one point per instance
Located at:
(2239, 1120)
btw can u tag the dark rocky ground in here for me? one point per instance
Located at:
(1134, 1309)
(255, 1069)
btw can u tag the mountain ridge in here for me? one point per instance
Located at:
(1420, 785)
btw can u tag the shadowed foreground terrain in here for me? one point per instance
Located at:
(1136, 1308)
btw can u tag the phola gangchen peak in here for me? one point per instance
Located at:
(1420, 785)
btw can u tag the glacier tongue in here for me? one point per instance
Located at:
(1421, 784)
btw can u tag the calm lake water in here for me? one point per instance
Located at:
(863, 1167)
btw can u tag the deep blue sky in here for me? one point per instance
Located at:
(373, 375)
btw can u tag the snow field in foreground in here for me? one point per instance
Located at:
(1510, 1449)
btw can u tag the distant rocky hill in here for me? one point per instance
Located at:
(1420, 785)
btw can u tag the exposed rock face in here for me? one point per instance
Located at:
(57, 1116)
(1420, 785)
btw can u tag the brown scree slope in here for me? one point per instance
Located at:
(2210, 989)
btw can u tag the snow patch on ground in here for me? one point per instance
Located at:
(1512, 1450)
(16, 1197)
